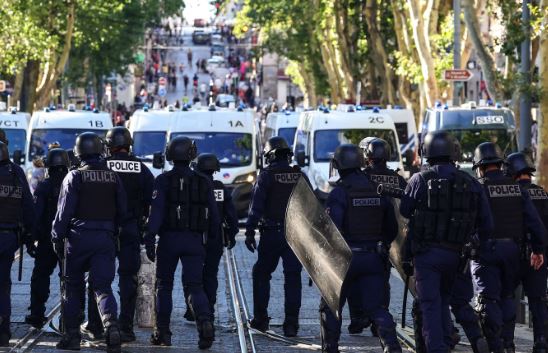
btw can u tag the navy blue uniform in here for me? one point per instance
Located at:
(533, 281)
(367, 228)
(46, 196)
(267, 210)
(436, 265)
(496, 272)
(178, 245)
(137, 180)
(91, 237)
(16, 208)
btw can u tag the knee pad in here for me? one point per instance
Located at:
(489, 327)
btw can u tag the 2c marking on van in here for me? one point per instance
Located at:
(376, 120)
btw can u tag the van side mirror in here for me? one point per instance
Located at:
(300, 158)
(158, 160)
(18, 157)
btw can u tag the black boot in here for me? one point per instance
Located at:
(127, 334)
(260, 323)
(510, 348)
(70, 340)
(540, 345)
(35, 321)
(206, 332)
(95, 333)
(392, 349)
(480, 345)
(161, 337)
(358, 324)
(455, 337)
(189, 314)
(5, 339)
(114, 341)
(291, 326)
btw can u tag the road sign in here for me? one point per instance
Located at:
(162, 91)
(162, 81)
(457, 75)
(2, 86)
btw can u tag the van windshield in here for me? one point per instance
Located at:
(470, 139)
(288, 133)
(41, 138)
(326, 141)
(16, 140)
(232, 149)
(146, 143)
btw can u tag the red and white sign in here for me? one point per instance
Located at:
(162, 81)
(457, 75)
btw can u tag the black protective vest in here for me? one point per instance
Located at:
(51, 204)
(506, 204)
(540, 200)
(129, 171)
(97, 196)
(386, 177)
(219, 193)
(364, 215)
(11, 198)
(282, 182)
(448, 214)
(187, 202)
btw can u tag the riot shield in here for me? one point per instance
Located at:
(317, 243)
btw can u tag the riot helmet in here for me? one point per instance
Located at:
(88, 144)
(487, 153)
(276, 147)
(378, 150)
(519, 163)
(440, 145)
(181, 149)
(119, 137)
(57, 157)
(4, 153)
(208, 163)
(3, 137)
(347, 156)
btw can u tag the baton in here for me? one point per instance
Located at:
(390, 191)
(20, 274)
(404, 305)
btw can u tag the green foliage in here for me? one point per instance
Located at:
(442, 48)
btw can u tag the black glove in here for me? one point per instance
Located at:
(151, 252)
(231, 242)
(58, 247)
(408, 268)
(31, 248)
(250, 240)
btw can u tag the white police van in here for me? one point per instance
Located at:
(63, 126)
(282, 124)
(472, 125)
(15, 126)
(320, 132)
(232, 135)
(149, 130)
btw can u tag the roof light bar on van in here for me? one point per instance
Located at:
(46, 110)
(96, 111)
(145, 108)
(170, 108)
(71, 107)
(13, 110)
(376, 110)
(212, 108)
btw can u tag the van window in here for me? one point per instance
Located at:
(302, 142)
(41, 138)
(17, 139)
(146, 143)
(470, 139)
(326, 141)
(288, 133)
(403, 134)
(268, 133)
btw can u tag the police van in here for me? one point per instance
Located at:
(232, 135)
(472, 125)
(61, 126)
(282, 124)
(149, 129)
(15, 126)
(320, 132)
(406, 127)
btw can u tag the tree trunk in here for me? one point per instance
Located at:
(422, 44)
(44, 94)
(18, 86)
(30, 81)
(485, 58)
(542, 152)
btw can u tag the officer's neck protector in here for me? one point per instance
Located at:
(346, 172)
(438, 160)
(181, 163)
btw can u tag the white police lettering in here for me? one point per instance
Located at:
(287, 178)
(11, 191)
(386, 179)
(538, 194)
(124, 166)
(98, 176)
(504, 191)
(219, 195)
(370, 201)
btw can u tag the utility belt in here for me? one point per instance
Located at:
(270, 225)
(444, 245)
(377, 248)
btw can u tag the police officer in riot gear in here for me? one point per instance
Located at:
(368, 224)
(137, 180)
(208, 164)
(184, 214)
(521, 168)
(446, 207)
(495, 272)
(267, 211)
(46, 196)
(92, 204)
(16, 220)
